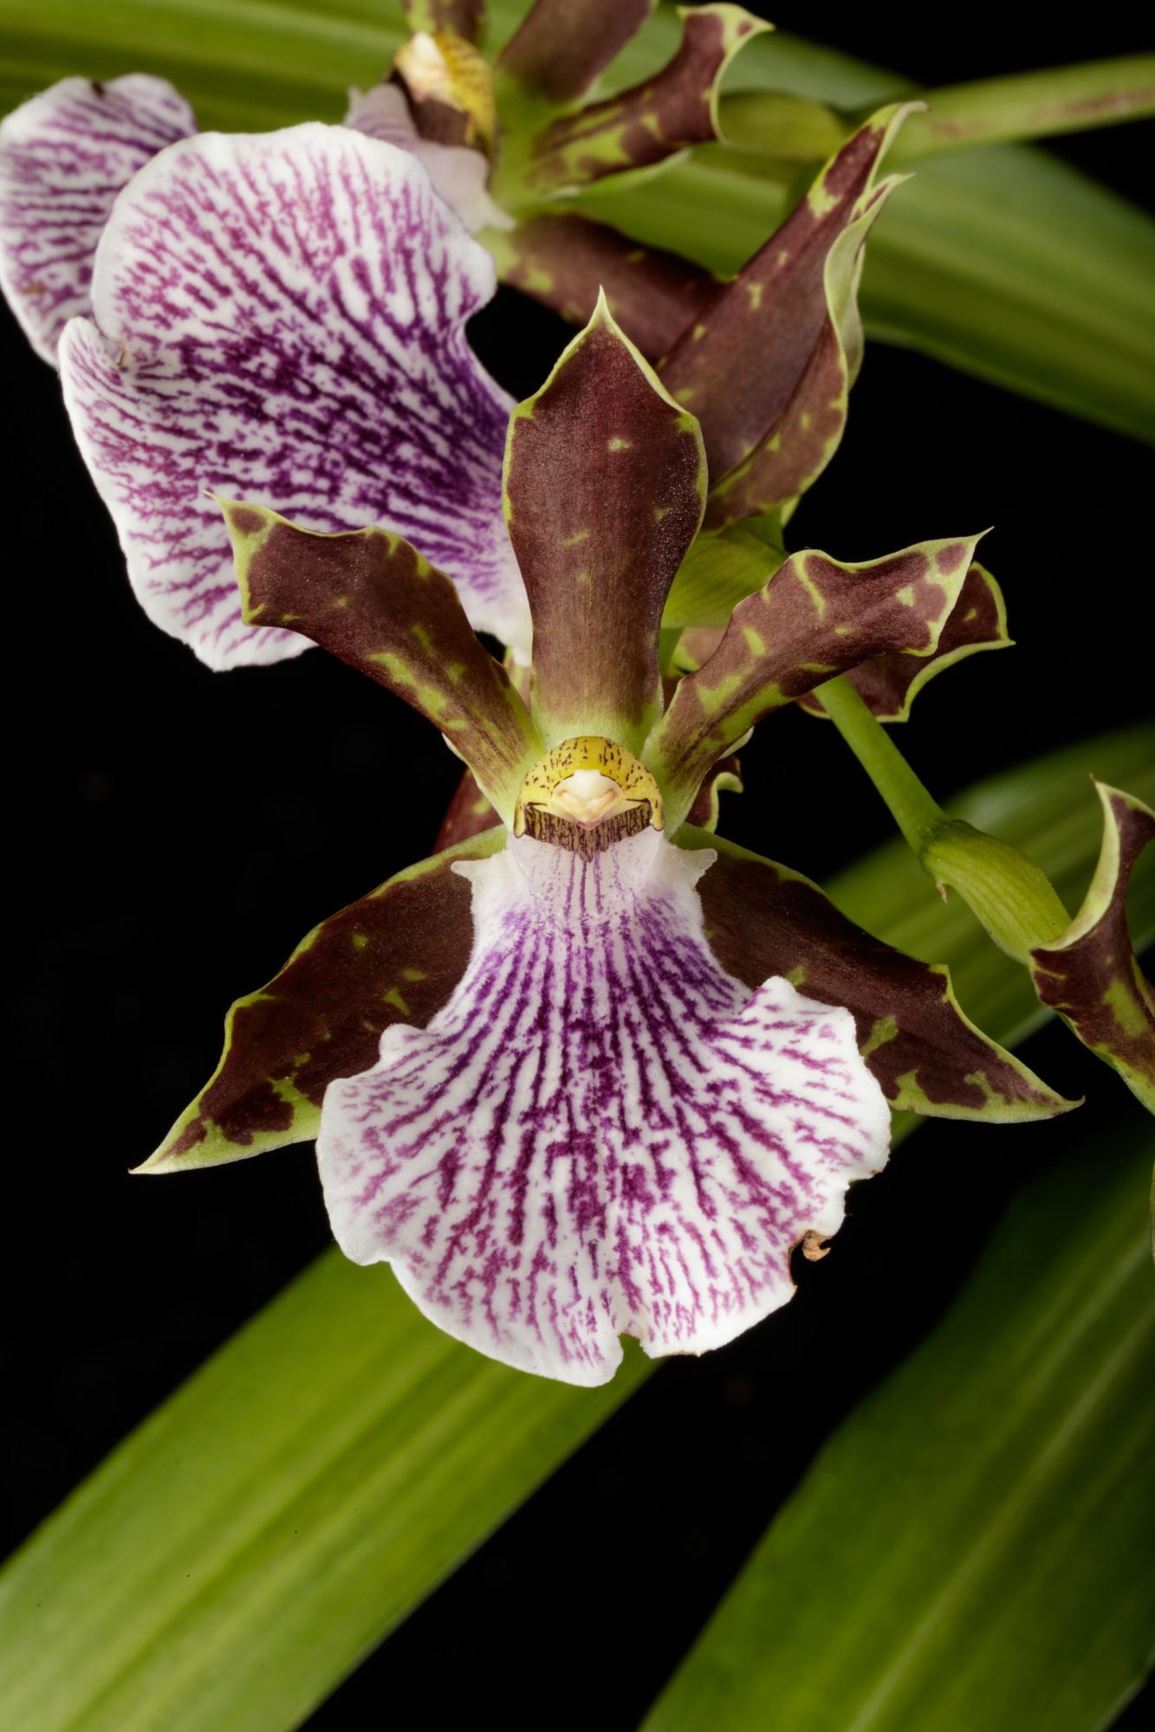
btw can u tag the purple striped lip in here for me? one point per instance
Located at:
(601, 1133)
(281, 317)
(64, 157)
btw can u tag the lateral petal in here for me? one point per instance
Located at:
(814, 618)
(374, 602)
(889, 684)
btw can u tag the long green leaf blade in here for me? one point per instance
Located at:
(246, 1546)
(973, 1547)
(1000, 261)
(238, 1554)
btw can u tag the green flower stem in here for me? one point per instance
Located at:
(988, 111)
(916, 812)
(1013, 900)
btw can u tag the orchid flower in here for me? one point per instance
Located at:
(593, 1072)
(285, 314)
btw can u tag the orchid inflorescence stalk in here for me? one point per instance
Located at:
(590, 1070)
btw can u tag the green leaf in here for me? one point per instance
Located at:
(973, 1547)
(262, 1530)
(999, 261)
(305, 1490)
(719, 571)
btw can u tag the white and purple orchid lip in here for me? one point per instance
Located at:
(64, 157)
(601, 1133)
(284, 314)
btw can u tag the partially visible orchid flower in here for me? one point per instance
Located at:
(288, 310)
(594, 1072)
(284, 314)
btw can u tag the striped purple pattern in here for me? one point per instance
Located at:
(601, 1133)
(281, 317)
(64, 157)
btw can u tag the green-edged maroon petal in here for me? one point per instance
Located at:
(814, 619)
(767, 368)
(562, 47)
(394, 956)
(762, 919)
(605, 480)
(371, 599)
(463, 17)
(651, 121)
(563, 261)
(890, 684)
(1091, 974)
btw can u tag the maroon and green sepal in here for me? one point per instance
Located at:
(605, 481)
(394, 956)
(1090, 973)
(768, 365)
(889, 684)
(656, 119)
(762, 919)
(814, 619)
(372, 600)
(562, 260)
(562, 47)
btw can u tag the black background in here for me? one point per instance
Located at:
(177, 831)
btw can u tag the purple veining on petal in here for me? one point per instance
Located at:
(459, 174)
(282, 317)
(64, 157)
(601, 1132)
